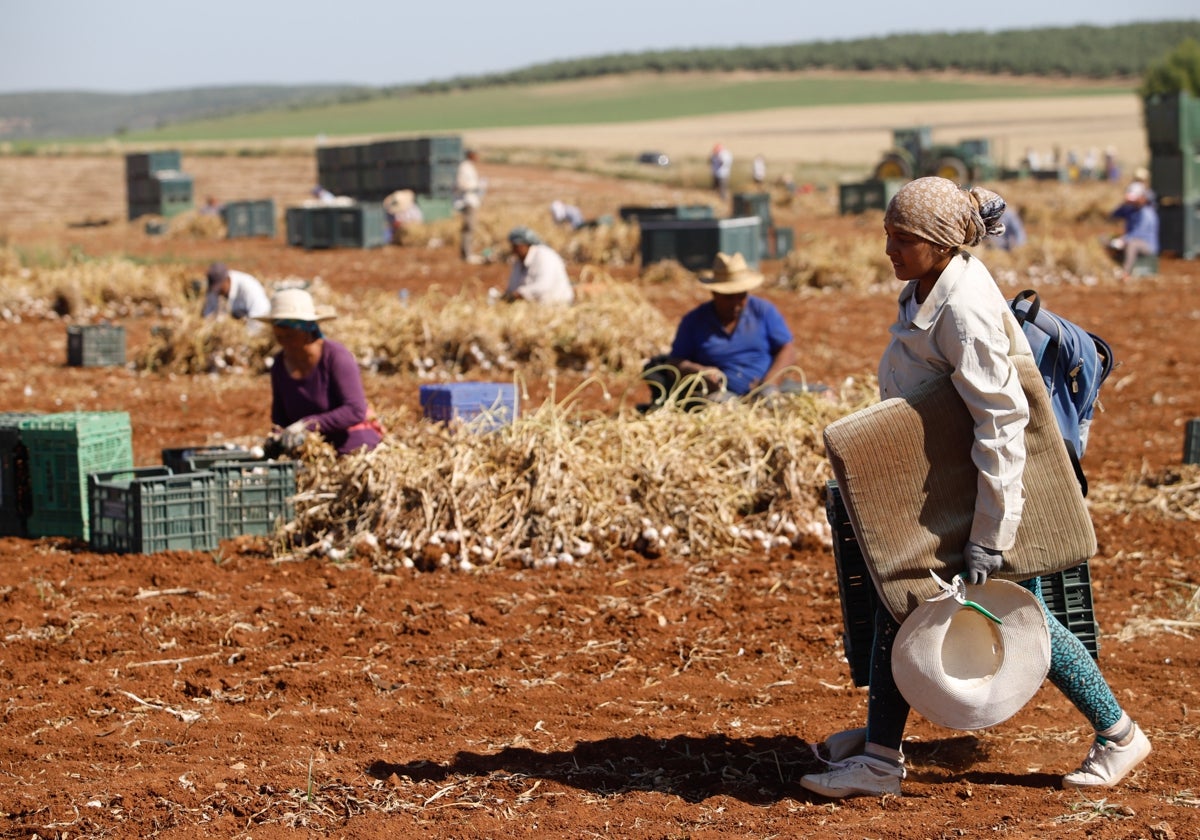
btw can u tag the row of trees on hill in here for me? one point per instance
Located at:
(1091, 52)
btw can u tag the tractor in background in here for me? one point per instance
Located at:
(915, 155)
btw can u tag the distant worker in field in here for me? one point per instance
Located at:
(567, 215)
(468, 195)
(239, 293)
(721, 163)
(538, 274)
(1014, 235)
(1140, 238)
(758, 171)
(402, 210)
(735, 345)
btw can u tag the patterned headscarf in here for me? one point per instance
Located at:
(938, 210)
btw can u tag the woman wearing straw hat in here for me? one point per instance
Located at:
(315, 382)
(735, 343)
(953, 319)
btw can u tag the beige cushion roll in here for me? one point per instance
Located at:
(905, 472)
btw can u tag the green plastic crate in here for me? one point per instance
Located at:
(145, 510)
(249, 218)
(145, 164)
(695, 243)
(95, 345)
(363, 225)
(753, 204)
(783, 240)
(254, 497)
(435, 209)
(63, 450)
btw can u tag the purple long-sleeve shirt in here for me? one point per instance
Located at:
(330, 399)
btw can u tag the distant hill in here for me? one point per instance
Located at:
(77, 114)
(1084, 52)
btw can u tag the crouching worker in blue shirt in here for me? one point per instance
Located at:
(735, 345)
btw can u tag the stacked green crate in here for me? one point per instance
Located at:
(63, 450)
(695, 243)
(14, 475)
(145, 510)
(155, 186)
(1173, 135)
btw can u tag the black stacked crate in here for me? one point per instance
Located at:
(426, 165)
(1173, 135)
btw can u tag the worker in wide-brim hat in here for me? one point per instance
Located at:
(316, 387)
(731, 345)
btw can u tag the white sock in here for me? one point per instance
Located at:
(891, 756)
(1121, 732)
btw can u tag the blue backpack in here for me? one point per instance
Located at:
(1074, 364)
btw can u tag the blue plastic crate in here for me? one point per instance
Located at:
(145, 510)
(63, 450)
(254, 497)
(479, 406)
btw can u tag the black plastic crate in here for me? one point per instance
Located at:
(1191, 442)
(855, 587)
(254, 497)
(16, 493)
(145, 510)
(95, 345)
(1068, 595)
(185, 459)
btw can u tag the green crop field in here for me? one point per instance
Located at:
(607, 100)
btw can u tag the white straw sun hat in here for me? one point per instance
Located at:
(971, 657)
(295, 305)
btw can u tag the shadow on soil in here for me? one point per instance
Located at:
(754, 770)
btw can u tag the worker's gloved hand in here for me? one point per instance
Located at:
(981, 562)
(292, 437)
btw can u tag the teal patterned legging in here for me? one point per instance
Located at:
(1072, 671)
(1075, 673)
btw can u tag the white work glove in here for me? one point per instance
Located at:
(292, 437)
(981, 562)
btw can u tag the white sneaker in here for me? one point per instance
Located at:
(857, 776)
(1107, 764)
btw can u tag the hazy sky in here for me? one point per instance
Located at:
(142, 45)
